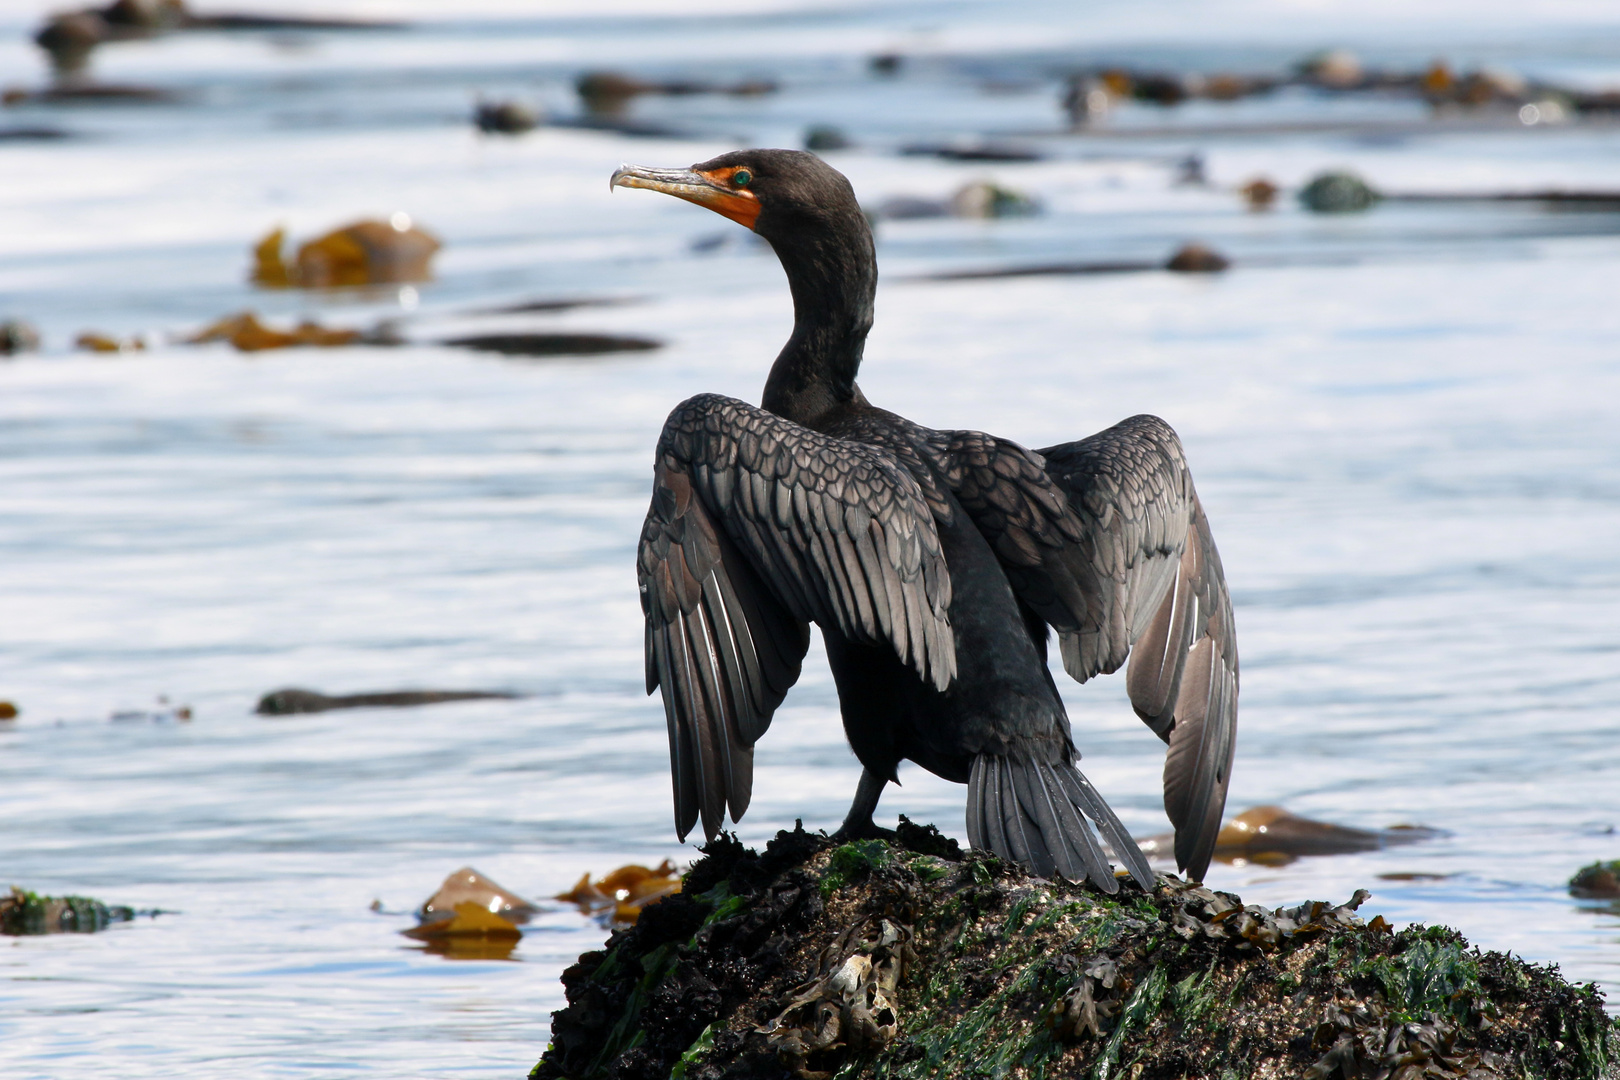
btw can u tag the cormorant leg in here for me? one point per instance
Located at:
(858, 823)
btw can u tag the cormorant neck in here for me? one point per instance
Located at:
(832, 273)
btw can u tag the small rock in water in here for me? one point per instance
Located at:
(625, 891)
(361, 253)
(468, 886)
(17, 336)
(1197, 259)
(1600, 881)
(983, 199)
(1338, 193)
(293, 700)
(825, 137)
(505, 117)
(1336, 69)
(888, 63)
(1260, 193)
(29, 913)
(8, 711)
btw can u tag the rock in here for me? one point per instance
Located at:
(1338, 193)
(505, 117)
(872, 959)
(553, 344)
(8, 711)
(291, 700)
(887, 64)
(468, 886)
(244, 331)
(624, 892)
(362, 253)
(983, 199)
(1197, 259)
(608, 93)
(29, 913)
(1600, 881)
(70, 39)
(1260, 193)
(17, 336)
(825, 137)
(1336, 69)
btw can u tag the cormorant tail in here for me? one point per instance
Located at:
(1043, 814)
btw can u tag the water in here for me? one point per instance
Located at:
(1403, 426)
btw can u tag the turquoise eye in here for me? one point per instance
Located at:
(742, 177)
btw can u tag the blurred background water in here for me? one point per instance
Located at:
(1404, 426)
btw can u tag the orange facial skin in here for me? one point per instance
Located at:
(714, 189)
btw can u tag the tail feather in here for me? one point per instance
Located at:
(1042, 814)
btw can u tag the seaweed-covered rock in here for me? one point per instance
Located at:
(904, 959)
(23, 912)
(1600, 881)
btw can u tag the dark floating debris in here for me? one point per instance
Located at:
(887, 64)
(293, 700)
(8, 711)
(525, 307)
(878, 959)
(23, 913)
(95, 93)
(610, 92)
(505, 117)
(1338, 193)
(17, 336)
(1197, 259)
(361, 253)
(553, 344)
(625, 892)
(71, 37)
(1271, 836)
(983, 151)
(1600, 881)
(825, 137)
(27, 134)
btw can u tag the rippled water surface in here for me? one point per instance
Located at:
(1404, 427)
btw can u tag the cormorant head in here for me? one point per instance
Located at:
(783, 195)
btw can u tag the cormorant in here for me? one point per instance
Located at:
(933, 561)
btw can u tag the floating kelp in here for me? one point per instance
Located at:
(291, 700)
(361, 253)
(23, 912)
(468, 886)
(95, 341)
(623, 893)
(244, 331)
(534, 344)
(1272, 836)
(873, 959)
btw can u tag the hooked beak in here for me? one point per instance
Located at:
(705, 190)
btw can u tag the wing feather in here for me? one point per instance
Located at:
(758, 527)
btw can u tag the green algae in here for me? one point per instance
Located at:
(1008, 976)
(25, 913)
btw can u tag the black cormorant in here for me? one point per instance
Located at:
(933, 561)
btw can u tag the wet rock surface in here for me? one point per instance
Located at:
(816, 959)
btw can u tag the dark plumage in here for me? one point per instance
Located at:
(934, 563)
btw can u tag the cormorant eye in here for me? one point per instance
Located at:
(742, 177)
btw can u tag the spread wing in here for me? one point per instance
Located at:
(1105, 539)
(759, 526)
